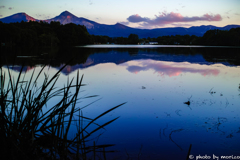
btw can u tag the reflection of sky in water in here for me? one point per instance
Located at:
(155, 116)
(170, 69)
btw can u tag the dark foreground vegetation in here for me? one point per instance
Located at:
(55, 34)
(31, 129)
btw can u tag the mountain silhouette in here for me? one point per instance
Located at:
(117, 30)
(67, 17)
(18, 17)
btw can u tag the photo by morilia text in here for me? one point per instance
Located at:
(192, 157)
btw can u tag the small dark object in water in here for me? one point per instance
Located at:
(143, 87)
(230, 136)
(188, 102)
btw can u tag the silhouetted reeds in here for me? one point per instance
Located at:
(28, 131)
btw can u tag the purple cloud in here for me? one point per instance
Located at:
(10, 8)
(1, 15)
(136, 18)
(2, 7)
(168, 18)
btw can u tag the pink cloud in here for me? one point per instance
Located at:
(10, 8)
(167, 18)
(165, 69)
(136, 18)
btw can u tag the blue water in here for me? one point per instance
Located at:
(155, 123)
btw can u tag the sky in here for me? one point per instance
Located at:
(146, 14)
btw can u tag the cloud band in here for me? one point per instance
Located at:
(168, 18)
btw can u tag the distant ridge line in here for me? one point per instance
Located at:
(118, 29)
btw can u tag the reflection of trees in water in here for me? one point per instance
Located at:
(57, 56)
(40, 56)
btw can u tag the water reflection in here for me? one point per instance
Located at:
(156, 82)
(92, 56)
(167, 68)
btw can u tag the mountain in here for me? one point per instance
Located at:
(117, 30)
(67, 17)
(18, 17)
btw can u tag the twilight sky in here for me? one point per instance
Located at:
(133, 13)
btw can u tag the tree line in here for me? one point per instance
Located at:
(162, 40)
(210, 38)
(56, 34)
(43, 34)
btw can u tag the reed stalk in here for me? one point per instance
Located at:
(29, 132)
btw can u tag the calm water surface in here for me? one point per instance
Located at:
(155, 82)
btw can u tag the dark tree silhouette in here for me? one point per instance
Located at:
(133, 39)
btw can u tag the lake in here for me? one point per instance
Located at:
(176, 95)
